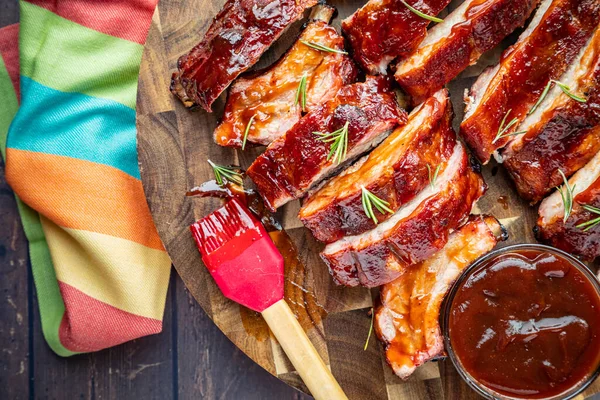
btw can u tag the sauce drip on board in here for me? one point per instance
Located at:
(527, 324)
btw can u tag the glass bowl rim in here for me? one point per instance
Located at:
(445, 317)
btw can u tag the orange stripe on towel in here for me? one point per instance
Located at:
(83, 195)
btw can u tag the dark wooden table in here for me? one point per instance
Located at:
(191, 358)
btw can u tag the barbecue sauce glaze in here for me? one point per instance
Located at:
(527, 324)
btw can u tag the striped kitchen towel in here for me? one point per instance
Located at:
(100, 270)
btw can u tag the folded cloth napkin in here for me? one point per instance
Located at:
(100, 270)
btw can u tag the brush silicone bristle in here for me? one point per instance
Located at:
(224, 224)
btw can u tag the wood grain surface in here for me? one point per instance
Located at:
(174, 145)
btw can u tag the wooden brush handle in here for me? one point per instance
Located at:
(302, 353)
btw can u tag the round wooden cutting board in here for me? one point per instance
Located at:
(174, 145)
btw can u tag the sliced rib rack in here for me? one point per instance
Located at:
(237, 37)
(398, 169)
(507, 92)
(385, 29)
(562, 134)
(451, 46)
(580, 234)
(270, 102)
(408, 319)
(359, 117)
(413, 233)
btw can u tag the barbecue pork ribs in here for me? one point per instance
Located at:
(396, 171)
(508, 91)
(268, 103)
(361, 115)
(408, 320)
(240, 33)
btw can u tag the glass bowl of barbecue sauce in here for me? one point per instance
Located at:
(523, 322)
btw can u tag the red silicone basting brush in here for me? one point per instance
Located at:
(245, 263)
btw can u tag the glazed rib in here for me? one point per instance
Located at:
(298, 160)
(395, 172)
(382, 30)
(415, 232)
(555, 36)
(451, 46)
(562, 134)
(270, 96)
(567, 236)
(240, 33)
(408, 319)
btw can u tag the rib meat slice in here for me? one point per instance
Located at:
(298, 160)
(408, 319)
(270, 96)
(553, 39)
(395, 172)
(451, 46)
(567, 236)
(415, 232)
(240, 33)
(562, 134)
(385, 29)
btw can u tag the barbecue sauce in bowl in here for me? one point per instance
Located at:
(524, 322)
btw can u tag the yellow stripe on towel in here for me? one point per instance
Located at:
(119, 272)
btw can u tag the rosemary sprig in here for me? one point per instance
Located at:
(503, 129)
(566, 90)
(433, 179)
(593, 222)
(339, 143)
(370, 331)
(301, 93)
(566, 194)
(322, 47)
(541, 99)
(421, 14)
(229, 173)
(247, 131)
(369, 200)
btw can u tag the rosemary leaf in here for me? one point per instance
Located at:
(301, 93)
(433, 179)
(369, 200)
(503, 129)
(247, 131)
(367, 207)
(542, 97)
(229, 173)
(566, 194)
(566, 90)
(339, 143)
(593, 222)
(421, 14)
(370, 330)
(322, 47)
(592, 209)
